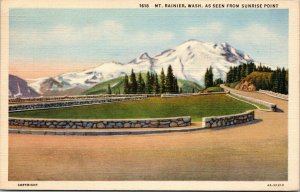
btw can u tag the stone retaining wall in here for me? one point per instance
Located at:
(271, 106)
(220, 121)
(190, 94)
(121, 123)
(27, 107)
(273, 94)
(78, 97)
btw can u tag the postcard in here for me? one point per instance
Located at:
(149, 95)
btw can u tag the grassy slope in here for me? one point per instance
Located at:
(258, 76)
(232, 85)
(258, 79)
(196, 106)
(118, 84)
(187, 86)
(214, 89)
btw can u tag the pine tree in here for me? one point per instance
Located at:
(211, 77)
(208, 77)
(169, 80)
(175, 85)
(156, 84)
(282, 80)
(152, 82)
(126, 85)
(229, 77)
(162, 81)
(235, 74)
(109, 89)
(286, 82)
(148, 83)
(140, 84)
(133, 83)
(180, 90)
(143, 87)
(275, 81)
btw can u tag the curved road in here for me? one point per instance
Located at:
(256, 151)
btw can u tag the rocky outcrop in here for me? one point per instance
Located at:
(245, 86)
(18, 88)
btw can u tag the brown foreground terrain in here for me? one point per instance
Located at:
(256, 151)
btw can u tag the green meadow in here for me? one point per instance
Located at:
(155, 107)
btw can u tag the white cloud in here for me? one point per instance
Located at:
(256, 34)
(150, 38)
(69, 35)
(212, 29)
(265, 44)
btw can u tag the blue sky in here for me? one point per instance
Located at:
(102, 35)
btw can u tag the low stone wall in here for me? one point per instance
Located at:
(271, 106)
(191, 94)
(220, 121)
(118, 123)
(179, 95)
(37, 106)
(273, 94)
(78, 97)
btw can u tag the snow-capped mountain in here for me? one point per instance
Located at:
(18, 88)
(189, 62)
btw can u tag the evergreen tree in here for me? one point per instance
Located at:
(169, 80)
(180, 90)
(156, 85)
(143, 87)
(126, 85)
(286, 82)
(208, 77)
(229, 76)
(211, 76)
(152, 82)
(275, 81)
(218, 82)
(133, 83)
(162, 81)
(239, 73)
(175, 85)
(109, 89)
(140, 84)
(282, 80)
(148, 83)
(235, 74)
(243, 70)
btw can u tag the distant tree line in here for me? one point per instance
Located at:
(278, 82)
(152, 84)
(209, 78)
(235, 74)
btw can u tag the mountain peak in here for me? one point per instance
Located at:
(144, 56)
(189, 61)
